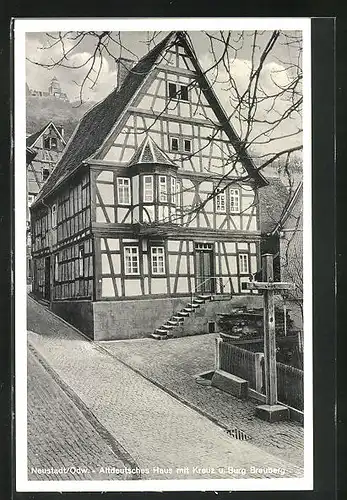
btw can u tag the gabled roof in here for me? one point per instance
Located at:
(287, 210)
(272, 200)
(98, 122)
(32, 139)
(150, 152)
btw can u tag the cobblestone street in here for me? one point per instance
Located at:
(104, 397)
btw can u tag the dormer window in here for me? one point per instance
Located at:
(187, 145)
(180, 145)
(178, 92)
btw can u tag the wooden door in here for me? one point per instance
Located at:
(204, 268)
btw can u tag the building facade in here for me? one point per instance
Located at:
(146, 211)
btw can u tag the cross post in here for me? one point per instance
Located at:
(271, 411)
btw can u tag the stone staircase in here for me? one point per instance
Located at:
(167, 329)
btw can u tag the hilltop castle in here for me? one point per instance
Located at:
(54, 90)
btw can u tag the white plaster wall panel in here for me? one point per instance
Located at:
(192, 267)
(145, 216)
(172, 263)
(145, 264)
(107, 289)
(135, 189)
(136, 214)
(100, 215)
(119, 286)
(158, 286)
(144, 245)
(158, 105)
(173, 245)
(145, 286)
(185, 109)
(224, 269)
(195, 161)
(183, 265)
(233, 264)
(172, 108)
(121, 213)
(127, 219)
(226, 284)
(253, 226)
(182, 285)
(116, 263)
(242, 246)
(209, 207)
(220, 218)
(253, 264)
(206, 186)
(173, 127)
(105, 265)
(230, 247)
(102, 244)
(105, 175)
(237, 222)
(172, 283)
(113, 243)
(131, 139)
(113, 154)
(145, 102)
(247, 202)
(187, 129)
(235, 284)
(128, 153)
(202, 220)
(253, 247)
(190, 246)
(193, 222)
(188, 198)
(107, 193)
(132, 287)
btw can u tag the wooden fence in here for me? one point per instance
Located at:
(245, 364)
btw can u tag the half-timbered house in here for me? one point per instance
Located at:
(144, 219)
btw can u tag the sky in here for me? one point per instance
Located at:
(275, 70)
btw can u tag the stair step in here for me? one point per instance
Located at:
(159, 336)
(188, 309)
(205, 297)
(161, 331)
(167, 326)
(194, 305)
(173, 322)
(199, 301)
(183, 314)
(180, 319)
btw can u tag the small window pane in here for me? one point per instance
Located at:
(174, 144)
(148, 188)
(172, 90)
(184, 92)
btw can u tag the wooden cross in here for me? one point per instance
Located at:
(269, 287)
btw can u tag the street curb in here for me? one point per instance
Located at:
(117, 449)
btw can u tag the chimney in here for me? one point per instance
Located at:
(124, 66)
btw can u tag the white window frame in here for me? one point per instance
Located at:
(158, 260)
(132, 266)
(234, 204)
(173, 190)
(123, 188)
(148, 194)
(54, 216)
(162, 189)
(220, 201)
(243, 263)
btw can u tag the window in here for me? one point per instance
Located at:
(220, 201)
(243, 263)
(162, 188)
(54, 216)
(177, 91)
(157, 259)
(131, 257)
(172, 90)
(81, 261)
(234, 200)
(173, 190)
(148, 188)
(187, 145)
(178, 193)
(47, 143)
(45, 174)
(54, 143)
(184, 93)
(123, 186)
(174, 144)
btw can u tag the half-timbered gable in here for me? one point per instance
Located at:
(171, 204)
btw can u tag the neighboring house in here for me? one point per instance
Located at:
(289, 231)
(273, 198)
(43, 150)
(118, 247)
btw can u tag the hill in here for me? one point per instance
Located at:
(40, 110)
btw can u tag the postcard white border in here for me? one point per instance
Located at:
(21, 27)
